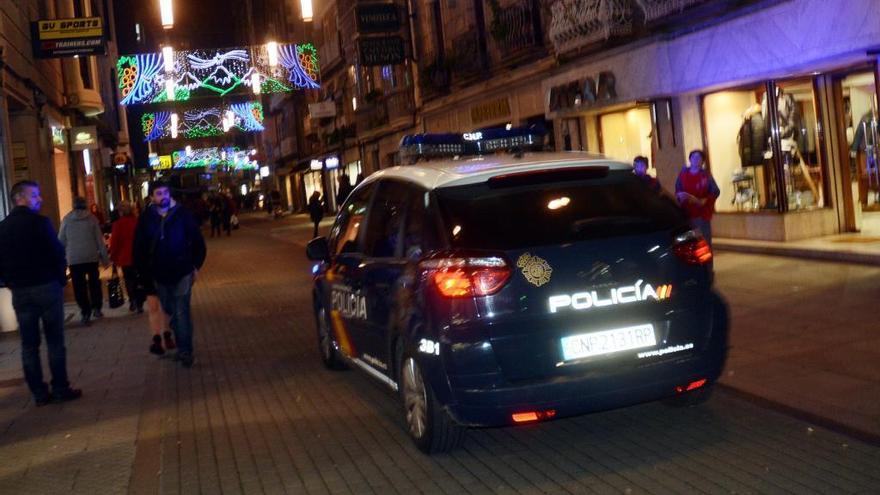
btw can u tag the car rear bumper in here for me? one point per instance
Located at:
(575, 395)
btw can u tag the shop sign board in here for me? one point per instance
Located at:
(322, 109)
(19, 161)
(84, 138)
(385, 50)
(57, 38)
(378, 18)
(161, 162)
(316, 165)
(496, 109)
(583, 93)
(59, 140)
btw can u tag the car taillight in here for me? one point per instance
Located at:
(692, 248)
(466, 277)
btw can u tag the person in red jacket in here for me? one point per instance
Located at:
(696, 192)
(121, 245)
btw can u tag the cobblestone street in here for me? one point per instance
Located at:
(258, 413)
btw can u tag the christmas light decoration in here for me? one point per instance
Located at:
(275, 67)
(174, 119)
(228, 158)
(203, 122)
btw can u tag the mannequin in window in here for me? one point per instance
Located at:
(752, 138)
(864, 150)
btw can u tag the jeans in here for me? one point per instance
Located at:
(175, 299)
(705, 227)
(34, 304)
(89, 295)
(132, 286)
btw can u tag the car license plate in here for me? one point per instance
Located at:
(607, 341)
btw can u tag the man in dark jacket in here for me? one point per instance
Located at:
(169, 248)
(32, 265)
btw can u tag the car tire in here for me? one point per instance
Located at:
(427, 423)
(693, 398)
(326, 343)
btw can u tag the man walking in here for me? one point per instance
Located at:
(169, 248)
(32, 265)
(80, 233)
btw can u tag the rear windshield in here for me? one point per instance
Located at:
(481, 216)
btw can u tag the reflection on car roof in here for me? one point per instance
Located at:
(474, 170)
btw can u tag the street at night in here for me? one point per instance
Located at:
(258, 413)
(439, 246)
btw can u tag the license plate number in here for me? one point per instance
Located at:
(607, 341)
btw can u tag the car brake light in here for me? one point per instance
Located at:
(528, 416)
(691, 386)
(466, 277)
(692, 248)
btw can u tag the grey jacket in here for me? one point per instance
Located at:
(82, 238)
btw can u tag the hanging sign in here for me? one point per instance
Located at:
(322, 109)
(84, 138)
(378, 18)
(57, 38)
(387, 50)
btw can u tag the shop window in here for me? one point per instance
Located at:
(803, 162)
(354, 171)
(312, 181)
(627, 134)
(572, 135)
(863, 139)
(740, 148)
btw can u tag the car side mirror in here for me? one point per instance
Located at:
(318, 250)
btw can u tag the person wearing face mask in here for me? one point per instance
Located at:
(696, 192)
(169, 250)
(32, 265)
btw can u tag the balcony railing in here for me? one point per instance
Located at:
(513, 27)
(385, 109)
(655, 9)
(466, 60)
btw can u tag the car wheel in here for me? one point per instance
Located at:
(427, 423)
(693, 398)
(326, 343)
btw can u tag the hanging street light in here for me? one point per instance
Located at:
(167, 14)
(306, 10)
(168, 59)
(272, 49)
(173, 126)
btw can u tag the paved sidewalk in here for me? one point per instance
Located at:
(848, 248)
(259, 414)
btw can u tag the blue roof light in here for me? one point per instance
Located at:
(425, 146)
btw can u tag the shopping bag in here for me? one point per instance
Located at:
(233, 220)
(114, 291)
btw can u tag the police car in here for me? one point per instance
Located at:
(515, 288)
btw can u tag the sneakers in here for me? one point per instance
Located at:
(156, 346)
(67, 394)
(98, 314)
(169, 341)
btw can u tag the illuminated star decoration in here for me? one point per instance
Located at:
(216, 73)
(203, 121)
(213, 158)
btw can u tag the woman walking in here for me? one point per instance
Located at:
(121, 241)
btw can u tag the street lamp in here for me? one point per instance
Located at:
(168, 58)
(173, 126)
(167, 14)
(272, 49)
(306, 10)
(169, 89)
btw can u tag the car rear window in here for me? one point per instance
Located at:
(495, 216)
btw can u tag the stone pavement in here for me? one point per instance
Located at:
(259, 414)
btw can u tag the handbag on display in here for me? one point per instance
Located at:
(114, 291)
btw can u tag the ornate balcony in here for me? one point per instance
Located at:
(515, 27)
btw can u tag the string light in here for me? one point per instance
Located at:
(173, 126)
(168, 58)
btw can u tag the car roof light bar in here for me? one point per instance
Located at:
(415, 147)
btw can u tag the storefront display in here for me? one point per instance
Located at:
(741, 145)
(627, 134)
(861, 124)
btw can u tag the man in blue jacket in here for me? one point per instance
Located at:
(32, 265)
(169, 248)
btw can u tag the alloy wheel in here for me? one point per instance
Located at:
(415, 398)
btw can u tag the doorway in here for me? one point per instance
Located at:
(860, 123)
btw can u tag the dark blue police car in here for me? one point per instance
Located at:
(500, 290)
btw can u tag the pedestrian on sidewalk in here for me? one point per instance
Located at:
(696, 192)
(640, 168)
(121, 242)
(316, 211)
(344, 190)
(84, 243)
(216, 212)
(169, 250)
(32, 265)
(227, 210)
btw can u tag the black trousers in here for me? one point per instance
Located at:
(87, 287)
(132, 286)
(315, 232)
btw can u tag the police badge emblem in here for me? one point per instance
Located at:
(536, 270)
